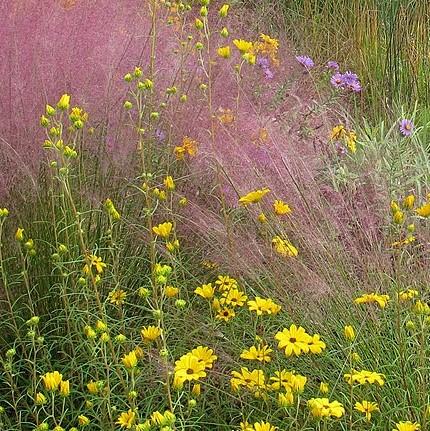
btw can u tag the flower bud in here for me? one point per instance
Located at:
(137, 72)
(180, 303)
(64, 102)
(324, 388)
(198, 23)
(10, 353)
(120, 338)
(224, 32)
(223, 12)
(19, 234)
(128, 77)
(128, 105)
(44, 122)
(410, 325)
(349, 333)
(50, 110)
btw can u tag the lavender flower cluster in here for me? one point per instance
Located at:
(346, 81)
(264, 63)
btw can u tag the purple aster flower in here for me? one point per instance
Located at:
(263, 62)
(406, 127)
(355, 86)
(350, 78)
(333, 65)
(160, 135)
(268, 73)
(337, 80)
(305, 61)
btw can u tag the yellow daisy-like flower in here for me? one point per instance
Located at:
(150, 333)
(284, 247)
(260, 353)
(52, 380)
(127, 419)
(254, 196)
(250, 379)
(351, 141)
(96, 262)
(281, 208)
(130, 360)
(408, 202)
(365, 377)
(234, 297)
(337, 133)
(246, 426)
(408, 294)
(189, 146)
(204, 355)
(189, 367)
(323, 408)
(316, 345)
(264, 426)
(243, 46)
(225, 314)
(369, 298)
(171, 291)
(286, 399)
(424, 210)
(117, 296)
(93, 387)
(288, 380)
(294, 340)
(225, 283)
(163, 229)
(407, 426)
(366, 407)
(206, 291)
(261, 306)
(224, 51)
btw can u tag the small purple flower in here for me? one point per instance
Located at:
(268, 73)
(337, 80)
(263, 62)
(406, 127)
(350, 78)
(160, 135)
(333, 65)
(305, 61)
(347, 80)
(355, 86)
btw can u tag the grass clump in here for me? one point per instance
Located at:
(124, 306)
